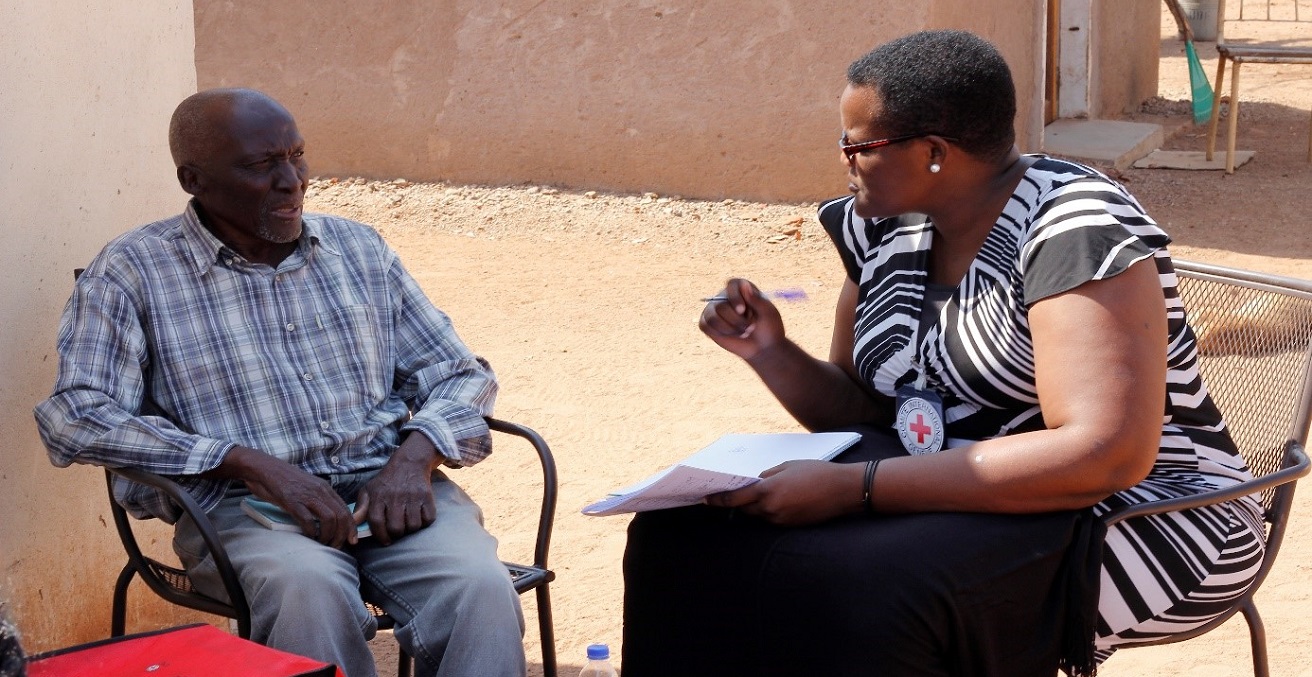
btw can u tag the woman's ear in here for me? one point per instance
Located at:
(938, 149)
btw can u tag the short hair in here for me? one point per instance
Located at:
(196, 126)
(944, 82)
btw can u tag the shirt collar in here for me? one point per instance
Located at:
(207, 250)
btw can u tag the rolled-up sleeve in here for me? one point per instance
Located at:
(98, 413)
(448, 388)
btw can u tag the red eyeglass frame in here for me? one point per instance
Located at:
(851, 149)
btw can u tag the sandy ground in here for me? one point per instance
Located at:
(586, 305)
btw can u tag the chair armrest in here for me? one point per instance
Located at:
(547, 514)
(180, 497)
(1295, 465)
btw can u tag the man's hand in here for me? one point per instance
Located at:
(399, 499)
(310, 500)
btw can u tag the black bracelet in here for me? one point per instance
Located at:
(868, 485)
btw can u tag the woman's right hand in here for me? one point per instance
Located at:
(745, 323)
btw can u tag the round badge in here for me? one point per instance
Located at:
(920, 426)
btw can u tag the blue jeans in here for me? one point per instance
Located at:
(456, 610)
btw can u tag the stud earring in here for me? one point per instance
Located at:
(934, 168)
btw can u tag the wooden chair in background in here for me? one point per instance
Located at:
(1244, 34)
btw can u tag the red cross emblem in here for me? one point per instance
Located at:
(919, 428)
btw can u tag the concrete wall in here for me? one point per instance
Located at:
(1125, 55)
(701, 99)
(88, 90)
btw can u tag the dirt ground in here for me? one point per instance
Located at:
(586, 305)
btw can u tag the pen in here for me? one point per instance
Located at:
(790, 294)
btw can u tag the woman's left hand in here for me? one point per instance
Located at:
(798, 493)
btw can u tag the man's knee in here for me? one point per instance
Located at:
(324, 570)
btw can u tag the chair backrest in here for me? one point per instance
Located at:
(1285, 23)
(1255, 353)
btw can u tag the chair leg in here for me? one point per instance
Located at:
(546, 631)
(1257, 636)
(1216, 108)
(1309, 140)
(118, 618)
(1234, 119)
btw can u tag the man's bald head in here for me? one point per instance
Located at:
(203, 120)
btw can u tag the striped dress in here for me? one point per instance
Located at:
(1064, 225)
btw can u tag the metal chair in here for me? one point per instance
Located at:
(172, 583)
(1255, 354)
(1237, 42)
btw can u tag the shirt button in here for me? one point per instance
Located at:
(337, 460)
(291, 327)
(323, 425)
(307, 377)
(277, 278)
(231, 261)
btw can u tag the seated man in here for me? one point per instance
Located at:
(243, 348)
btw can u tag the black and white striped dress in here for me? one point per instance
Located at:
(1066, 224)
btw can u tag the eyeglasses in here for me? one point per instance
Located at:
(851, 149)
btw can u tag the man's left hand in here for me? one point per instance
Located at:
(399, 500)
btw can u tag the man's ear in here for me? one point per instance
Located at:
(191, 180)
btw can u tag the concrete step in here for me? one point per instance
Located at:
(1102, 142)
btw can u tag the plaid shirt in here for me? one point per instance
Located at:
(173, 349)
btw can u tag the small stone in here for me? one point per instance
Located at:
(590, 194)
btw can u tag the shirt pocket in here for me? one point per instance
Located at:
(352, 353)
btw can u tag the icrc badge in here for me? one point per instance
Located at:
(919, 421)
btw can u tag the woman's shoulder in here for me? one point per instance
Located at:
(833, 211)
(1048, 174)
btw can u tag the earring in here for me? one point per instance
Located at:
(933, 168)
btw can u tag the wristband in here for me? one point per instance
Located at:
(868, 485)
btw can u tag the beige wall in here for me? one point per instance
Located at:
(701, 99)
(88, 88)
(1125, 54)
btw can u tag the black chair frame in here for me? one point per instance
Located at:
(1275, 464)
(172, 583)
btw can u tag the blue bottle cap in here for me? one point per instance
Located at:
(598, 652)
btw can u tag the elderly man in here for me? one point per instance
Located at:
(244, 348)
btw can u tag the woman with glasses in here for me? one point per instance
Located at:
(1010, 342)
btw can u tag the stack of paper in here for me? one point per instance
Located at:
(731, 462)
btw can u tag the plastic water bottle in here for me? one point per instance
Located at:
(598, 662)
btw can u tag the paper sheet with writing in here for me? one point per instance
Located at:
(729, 463)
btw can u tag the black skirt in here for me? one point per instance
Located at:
(711, 592)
